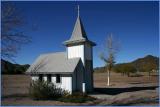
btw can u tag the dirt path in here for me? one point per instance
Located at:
(129, 98)
(26, 101)
(126, 90)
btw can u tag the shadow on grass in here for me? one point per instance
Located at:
(114, 91)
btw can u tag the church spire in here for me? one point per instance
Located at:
(78, 33)
(78, 9)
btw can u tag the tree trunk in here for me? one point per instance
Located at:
(108, 78)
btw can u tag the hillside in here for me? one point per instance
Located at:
(10, 68)
(144, 64)
(147, 63)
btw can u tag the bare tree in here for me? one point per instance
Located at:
(11, 36)
(108, 57)
(38, 66)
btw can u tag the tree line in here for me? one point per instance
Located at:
(147, 64)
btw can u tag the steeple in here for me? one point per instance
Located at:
(78, 33)
(78, 10)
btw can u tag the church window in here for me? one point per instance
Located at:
(58, 79)
(49, 77)
(40, 77)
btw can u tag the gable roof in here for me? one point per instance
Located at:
(53, 63)
(78, 34)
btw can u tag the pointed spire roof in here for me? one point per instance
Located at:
(78, 34)
(78, 31)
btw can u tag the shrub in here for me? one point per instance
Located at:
(41, 90)
(76, 97)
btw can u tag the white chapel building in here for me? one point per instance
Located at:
(71, 70)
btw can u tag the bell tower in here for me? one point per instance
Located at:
(80, 46)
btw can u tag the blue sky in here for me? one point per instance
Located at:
(133, 24)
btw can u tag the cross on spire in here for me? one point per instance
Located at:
(78, 10)
(78, 33)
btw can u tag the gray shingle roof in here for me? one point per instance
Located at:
(53, 63)
(78, 31)
(78, 34)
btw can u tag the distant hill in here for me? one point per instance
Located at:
(10, 68)
(147, 63)
(144, 64)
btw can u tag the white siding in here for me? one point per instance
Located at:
(78, 78)
(76, 51)
(44, 77)
(85, 52)
(89, 67)
(66, 82)
(34, 78)
(53, 79)
(74, 81)
(88, 52)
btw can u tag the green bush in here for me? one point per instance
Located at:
(41, 90)
(76, 97)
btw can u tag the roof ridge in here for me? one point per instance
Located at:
(52, 53)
